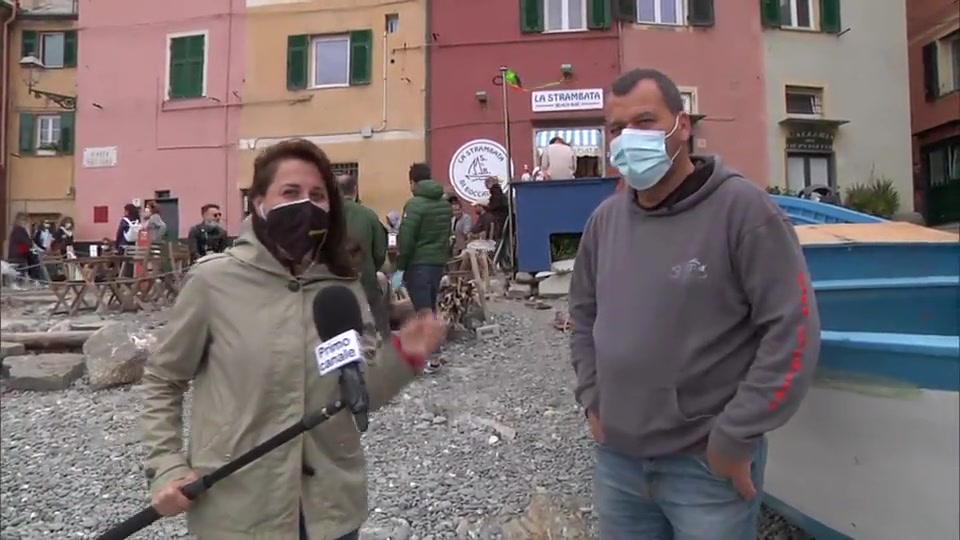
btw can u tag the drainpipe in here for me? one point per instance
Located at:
(226, 114)
(5, 66)
(383, 106)
(427, 58)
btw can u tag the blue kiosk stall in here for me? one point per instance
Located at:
(545, 209)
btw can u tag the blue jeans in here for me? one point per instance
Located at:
(423, 285)
(672, 498)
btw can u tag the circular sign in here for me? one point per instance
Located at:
(473, 163)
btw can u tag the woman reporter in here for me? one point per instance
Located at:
(242, 332)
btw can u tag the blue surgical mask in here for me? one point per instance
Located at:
(641, 156)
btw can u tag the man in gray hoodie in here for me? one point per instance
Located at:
(695, 329)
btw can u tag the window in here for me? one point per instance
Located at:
(799, 14)
(51, 50)
(538, 16)
(805, 170)
(46, 134)
(660, 11)
(392, 22)
(941, 66)
(560, 15)
(796, 13)
(187, 65)
(943, 163)
(329, 61)
(806, 101)
(330, 65)
(689, 98)
(54, 49)
(351, 168)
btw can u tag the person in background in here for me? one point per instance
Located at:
(128, 229)
(63, 237)
(43, 237)
(460, 225)
(695, 329)
(526, 176)
(497, 205)
(19, 247)
(558, 160)
(369, 241)
(486, 225)
(242, 335)
(424, 242)
(153, 221)
(207, 236)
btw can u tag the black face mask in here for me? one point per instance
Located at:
(297, 229)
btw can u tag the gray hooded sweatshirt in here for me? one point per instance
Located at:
(694, 325)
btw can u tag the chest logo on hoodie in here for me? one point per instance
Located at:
(690, 270)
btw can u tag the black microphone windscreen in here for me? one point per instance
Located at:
(335, 311)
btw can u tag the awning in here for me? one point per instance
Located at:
(585, 142)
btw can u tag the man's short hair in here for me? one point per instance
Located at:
(419, 172)
(348, 184)
(204, 208)
(626, 82)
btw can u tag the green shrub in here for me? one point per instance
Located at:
(777, 190)
(877, 197)
(564, 246)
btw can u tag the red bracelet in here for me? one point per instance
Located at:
(415, 362)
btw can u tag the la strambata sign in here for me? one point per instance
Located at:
(585, 99)
(473, 163)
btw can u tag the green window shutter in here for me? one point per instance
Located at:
(70, 49)
(361, 57)
(770, 13)
(531, 16)
(700, 13)
(187, 67)
(297, 61)
(931, 72)
(830, 16)
(598, 14)
(625, 10)
(67, 134)
(28, 133)
(28, 44)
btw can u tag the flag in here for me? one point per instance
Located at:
(511, 78)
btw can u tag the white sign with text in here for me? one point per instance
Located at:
(473, 163)
(100, 157)
(584, 99)
(339, 351)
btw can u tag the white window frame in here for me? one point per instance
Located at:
(793, 16)
(49, 120)
(947, 65)
(565, 17)
(689, 95)
(816, 93)
(206, 60)
(43, 49)
(312, 56)
(657, 13)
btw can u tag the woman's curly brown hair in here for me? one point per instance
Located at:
(334, 252)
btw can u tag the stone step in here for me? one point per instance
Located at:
(43, 372)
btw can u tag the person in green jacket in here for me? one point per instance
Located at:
(424, 240)
(370, 240)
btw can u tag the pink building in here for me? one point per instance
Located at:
(158, 110)
(714, 52)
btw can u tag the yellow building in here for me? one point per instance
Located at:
(345, 74)
(40, 130)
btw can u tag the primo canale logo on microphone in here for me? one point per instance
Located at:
(339, 351)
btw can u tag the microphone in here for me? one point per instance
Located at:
(336, 314)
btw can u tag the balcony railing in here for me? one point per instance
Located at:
(49, 8)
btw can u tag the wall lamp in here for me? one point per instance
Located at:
(566, 70)
(33, 68)
(481, 97)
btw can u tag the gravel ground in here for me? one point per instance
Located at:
(457, 451)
